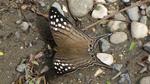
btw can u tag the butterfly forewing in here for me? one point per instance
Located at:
(72, 45)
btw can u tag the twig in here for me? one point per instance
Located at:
(104, 20)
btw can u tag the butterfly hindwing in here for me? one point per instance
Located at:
(72, 45)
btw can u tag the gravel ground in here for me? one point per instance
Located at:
(17, 43)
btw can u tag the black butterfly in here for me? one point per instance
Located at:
(74, 48)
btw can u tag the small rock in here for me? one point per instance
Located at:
(105, 45)
(105, 58)
(138, 30)
(18, 21)
(118, 37)
(148, 11)
(24, 26)
(111, 1)
(80, 8)
(100, 1)
(120, 16)
(17, 34)
(125, 79)
(100, 11)
(98, 72)
(133, 13)
(117, 66)
(21, 68)
(126, 1)
(143, 19)
(145, 80)
(117, 25)
(147, 47)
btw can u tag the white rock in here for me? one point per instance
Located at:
(138, 30)
(145, 80)
(133, 13)
(117, 25)
(125, 1)
(100, 1)
(118, 37)
(80, 8)
(105, 58)
(111, 1)
(24, 26)
(100, 11)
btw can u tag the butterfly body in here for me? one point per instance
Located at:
(73, 46)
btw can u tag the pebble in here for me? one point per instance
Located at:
(136, 29)
(125, 1)
(17, 34)
(118, 37)
(100, 11)
(80, 8)
(100, 1)
(111, 1)
(21, 68)
(147, 47)
(98, 72)
(117, 66)
(105, 45)
(148, 11)
(117, 25)
(133, 13)
(145, 80)
(24, 26)
(120, 16)
(105, 58)
(144, 19)
(18, 21)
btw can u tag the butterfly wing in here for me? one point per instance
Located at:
(72, 45)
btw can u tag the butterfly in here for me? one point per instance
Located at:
(73, 46)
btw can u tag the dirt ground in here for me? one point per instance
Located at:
(18, 44)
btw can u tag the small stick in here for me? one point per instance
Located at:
(104, 20)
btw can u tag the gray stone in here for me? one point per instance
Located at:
(117, 25)
(143, 19)
(105, 45)
(145, 80)
(80, 8)
(118, 37)
(147, 47)
(133, 13)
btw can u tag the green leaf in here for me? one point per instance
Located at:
(132, 46)
(108, 82)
